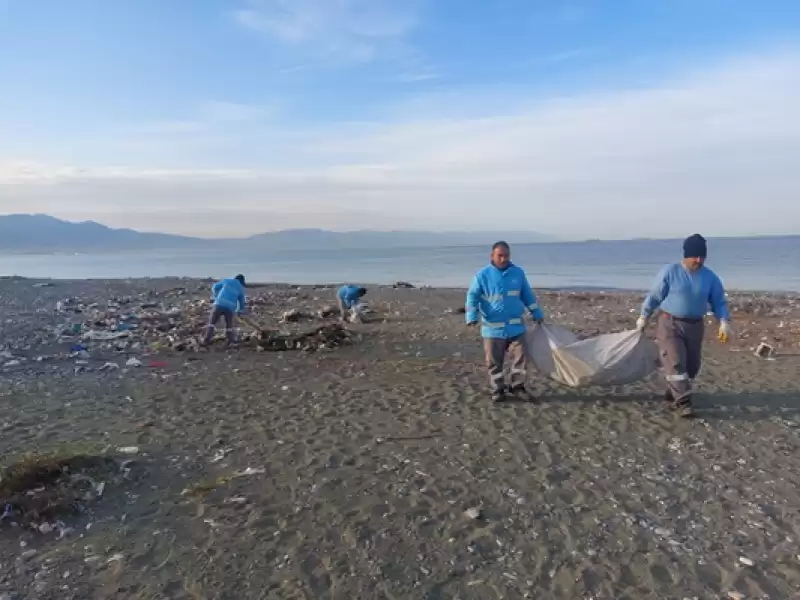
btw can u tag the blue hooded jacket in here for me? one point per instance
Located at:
(501, 297)
(348, 294)
(229, 294)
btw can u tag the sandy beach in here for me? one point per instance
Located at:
(380, 469)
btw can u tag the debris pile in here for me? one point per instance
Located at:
(324, 337)
(39, 489)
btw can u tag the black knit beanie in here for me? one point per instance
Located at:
(694, 246)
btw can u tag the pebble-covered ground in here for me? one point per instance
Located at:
(379, 469)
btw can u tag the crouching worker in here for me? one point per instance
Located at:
(229, 299)
(683, 292)
(349, 300)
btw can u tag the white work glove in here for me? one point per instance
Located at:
(725, 331)
(641, 323)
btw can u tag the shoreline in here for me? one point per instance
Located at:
(588, 289)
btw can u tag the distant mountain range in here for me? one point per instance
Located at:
(22, 233)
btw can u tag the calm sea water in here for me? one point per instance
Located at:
(768, 264)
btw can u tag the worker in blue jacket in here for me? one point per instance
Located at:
(682, 294)
(229, 300)
(500, 294)
(348, 298)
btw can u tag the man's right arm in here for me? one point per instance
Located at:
(657, 294)
(473, 298)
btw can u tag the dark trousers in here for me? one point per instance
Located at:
(680, 342)
(216, 314)
(495, 350)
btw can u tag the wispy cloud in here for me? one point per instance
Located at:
(206, 117)
(718, 147)
(349, 30)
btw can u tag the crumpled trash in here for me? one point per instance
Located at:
(133, 362)
(764, 350)
(327, 336)
(105, 336)
(294, 315)
(109, 366)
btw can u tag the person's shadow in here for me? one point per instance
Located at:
(748, 406)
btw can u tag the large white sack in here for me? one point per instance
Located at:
(608, 359)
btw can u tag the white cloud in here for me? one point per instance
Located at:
(350, 30)
(716, 150)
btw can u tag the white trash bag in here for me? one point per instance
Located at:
(357, 312)
(604, 360)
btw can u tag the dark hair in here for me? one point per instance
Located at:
(500, 244)
(240, 279)
(362, 291)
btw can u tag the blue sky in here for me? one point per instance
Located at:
(604, 118)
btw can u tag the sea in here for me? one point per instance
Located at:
(747, 264)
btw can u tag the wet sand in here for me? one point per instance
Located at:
(346, 473)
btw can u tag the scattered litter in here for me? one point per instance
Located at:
(133, 362)
(746, 561)
(46, 528)
(765, 351)
(109, 366)
(474, 513)
(105, 336)
(250, 471)
(128, 449)
(326, 336)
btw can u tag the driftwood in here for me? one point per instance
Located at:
(327, 336)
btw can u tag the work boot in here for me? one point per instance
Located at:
(684, 407)
(498, 396)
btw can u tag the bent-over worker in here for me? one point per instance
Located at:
(348, 298)
(229, 299)
(500, 294)
(683, 291)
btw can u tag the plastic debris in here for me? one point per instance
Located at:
(474, 513)
(133, 362)
(128, 449)
(105, 336)
(249, 471)
(765, 351)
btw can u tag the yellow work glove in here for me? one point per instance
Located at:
(725, 332)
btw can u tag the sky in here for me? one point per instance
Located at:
(577, 118)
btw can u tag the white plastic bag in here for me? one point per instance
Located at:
(604, 360)
(357, 313)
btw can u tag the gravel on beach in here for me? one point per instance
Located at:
(367, 462)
